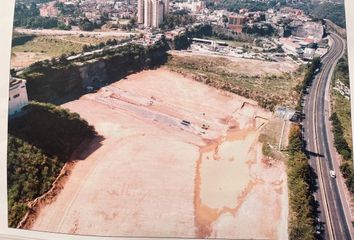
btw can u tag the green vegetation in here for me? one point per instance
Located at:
(27, 15)
(341, 106)
(341, 123)
(30, 174)
(267, 150)
(87, 25)
(178, 19)
(235, 6)
(20, 39)
(51, 46)
(342, 70)
(308, 78)
(39, 144)
(52, 129)
(302, 211)
(339, 141)
(348, 173)
(332, 11)
(268, 90)
(50, 81)
(259, 29)
(326, 10)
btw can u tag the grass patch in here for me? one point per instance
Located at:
(341, 106)
(53, 47)
(233, 43)
(268, 90)
(90, 40)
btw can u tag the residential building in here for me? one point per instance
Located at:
(140, 11)
(151, 13)
(147, 13)
(236, 22)
(17, 95)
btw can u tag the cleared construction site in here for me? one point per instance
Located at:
(175, 158)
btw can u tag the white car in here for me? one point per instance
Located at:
(332, 174)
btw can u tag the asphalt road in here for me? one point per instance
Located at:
(333, 210)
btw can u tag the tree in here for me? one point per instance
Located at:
(85, 48)
(53, 61)
(63, 59)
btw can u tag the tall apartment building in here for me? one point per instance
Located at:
(151, 13)
(140, 11)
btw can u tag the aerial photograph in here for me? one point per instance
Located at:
(221, 119)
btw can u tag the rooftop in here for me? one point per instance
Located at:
(14, 81)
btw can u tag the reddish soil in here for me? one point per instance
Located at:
(154, 175)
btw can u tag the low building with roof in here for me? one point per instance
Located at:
(17, 95)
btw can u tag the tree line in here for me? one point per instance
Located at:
(302, 204)
(52, 80)
(309, 75)
(39, 144)
(27, 16)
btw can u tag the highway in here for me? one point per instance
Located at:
(333, 209)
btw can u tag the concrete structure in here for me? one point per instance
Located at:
(140, 11)
(166, 4)
(236, 22)
(151, 13)
(309, 53)
(48, 10)
(147, 13)
(195, 6)
(17, 96)
(157, 13)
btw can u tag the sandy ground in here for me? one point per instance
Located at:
(150, 175)
(51, 32)
(24, 59)
(250, 67)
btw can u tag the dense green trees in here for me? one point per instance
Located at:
(28, 16)
(339, 141)
(235, 6)
(179, 18)
(259, 29)
(54, 130)
(37, 22)
(20, 39)
(301, 200)
(30, 174)
(181, 42)
(328, 10)
(344, 150)
(39, 144)
(310, 72)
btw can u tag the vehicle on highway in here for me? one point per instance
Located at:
(332, 174)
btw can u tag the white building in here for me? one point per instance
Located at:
(151, 13)
(17, 96)
(140, 11)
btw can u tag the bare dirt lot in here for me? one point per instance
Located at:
(155, 175)
(24, 59)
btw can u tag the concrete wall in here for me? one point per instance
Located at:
(17, 98)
